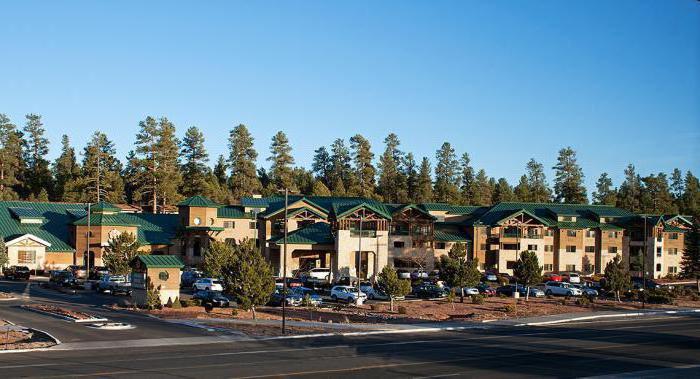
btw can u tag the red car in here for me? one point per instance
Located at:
(551, 277)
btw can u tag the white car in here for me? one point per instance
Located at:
(207, 284)
(561, 289)
(468, 291)
(346, 293)
(419, 274)
(572, 277)
(590, 292)
(403, 274)
(320, 273)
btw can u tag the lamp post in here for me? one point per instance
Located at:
(359, 260)
(644, 263)
(284, 264)
(87, 248)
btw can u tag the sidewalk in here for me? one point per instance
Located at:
(587, 316)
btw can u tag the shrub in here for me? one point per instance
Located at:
(583, 301)
(477, 299)
(402, 310)
(234, 312)
(376, 307)
(509, 308)
(694, 296)
(169, 303)
(176, 304)
(562, 301)
(502, 296)
(184, 303)
(656, 296)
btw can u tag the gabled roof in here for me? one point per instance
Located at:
(105, 219)
(22, 213)
(54, 229)
(159, 261)
(522, 212)
(296, 211)
(258, 202)
(277, 207)
(31, 237)
(397, 208)
(233, 211)
(318, 233)
(198, 201)
(104, 206)
(449, 208)
(342, 208)
(445, 232)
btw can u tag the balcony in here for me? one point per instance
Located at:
(363, 234)
(533, 236)
(511, 235)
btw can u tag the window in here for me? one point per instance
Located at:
(532, 247)
(672, 251)
(253, 225)
(26, 257)
(612, 234)
(672, 269)
(612, 250)
(511, 246)
(197, 248)
(398, 244)
(673, 236)
(658, 267)
(570, 267)
(440, 245)
(567, 218)
(589, 249)
(229, 224)
(590, 233)
(571, 233)
(549, 232)
(510, 265)
(301, 224)
(570, 249)
(548, 267)
(549, 248)
(658, 251)
(420, 244)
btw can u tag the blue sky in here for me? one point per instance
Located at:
(503, 80)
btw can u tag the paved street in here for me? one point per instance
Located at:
(665, 347)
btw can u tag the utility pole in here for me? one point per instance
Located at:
(87, 248)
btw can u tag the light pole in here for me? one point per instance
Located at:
(87, 248)
(284, 264)
(644, 263)
(359, 259)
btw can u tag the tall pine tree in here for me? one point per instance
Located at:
(466, 180)
(11, 160)
(242, 157)
(630, 192)
(482, 189)
(446, 179)
(281, 170)
(341, 173)
(656, 197)
(37, 174)
(537, 182)
(605, 193)
(568, 181)
(424, 191)
(393, 186)
(195, 172)
(67, 172)
(522, 190)
(364, 169)
(411, 173)
(323, 166)
(502, 192)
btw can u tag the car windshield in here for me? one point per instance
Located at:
(216, 281)
(351, 289)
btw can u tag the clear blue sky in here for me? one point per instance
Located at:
(503, 80)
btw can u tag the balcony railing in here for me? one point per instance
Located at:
(364, 233)
(511, 235)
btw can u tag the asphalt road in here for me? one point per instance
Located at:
(662, 347)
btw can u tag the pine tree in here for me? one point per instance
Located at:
(677, 184)
(101, 171)
(424, 192)
(11, 160)
(242, 158)
(568, 182)
(322, 166)
(393, 186)
(66, 171)
(119, 253)
(37, 175)
(502, 192)
(364, 169)
(393, 286)
(446, 190)
(249, 277)
(303, 180)
(690, 261)
(466, 180)
(630, 192)
(528, 271)
(411, 177)
(281, 173)
(131, 174)
(320, 189)
(216, 257)
(341, 176)
(4, 259)
(690, 201)
(482, 189)
(169, 154)
(195, 172)
(656, 197)
(604, 194)
(522, 190)
(617, 278)
(537, 182)
(220, 169)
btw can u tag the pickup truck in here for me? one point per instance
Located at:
(115, 284)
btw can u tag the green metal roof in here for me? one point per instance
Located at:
(546, 212)
(395, 208)
(198, 201)
(233, 211)
(25, 213)
(450, 208)
(207, 228)
(54, 229)
(116, 219)
(315, 234)
(104, 206)
(160, 261)
(449, 233)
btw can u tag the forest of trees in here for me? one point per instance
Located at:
(162, 169)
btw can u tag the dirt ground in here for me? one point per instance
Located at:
(25, 339)
(5, 295)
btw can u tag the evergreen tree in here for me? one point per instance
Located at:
(446, 190)
(656, 197)
(690, 262)
(604, 194)
(11, 160)
(482, 189)
(244, 180)
(195, 172)
(101, 171)
(617, 278)
(467, 180)
(4, 258)
(36, 147)
(411, 174)
(457, 271)
(303, 180)
(67, 172)
(528, 271)
(522, 190)
(393, 186)
(120, 251)
(130, 173)
(281, 172)
(220, 169)
(537, 182)
(320, 189)
(690, 202)
(249, 277)
(568, 182)
(341, 175)
(323, 166)
(503, 191)
(364, 169)
(424, 191)
(630, 192)
(677, 185)
(169, 154)
(215, 258)
(393, 286)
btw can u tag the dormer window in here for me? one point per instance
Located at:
(567, 218)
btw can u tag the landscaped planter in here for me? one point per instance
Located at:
(66, 314)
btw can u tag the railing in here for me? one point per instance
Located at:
(534, 236)
(364, 233)
(511, 235)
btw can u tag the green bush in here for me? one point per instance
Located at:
(656, 296)
(562, 301)
(176, 304)
(376, 307)
(477, 299)
(583, 301)
(502, 296)
(402, 310)
(184, 303)
(509, 308)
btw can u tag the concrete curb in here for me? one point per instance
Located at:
(77, 321)
(606, 316)
(51, 348)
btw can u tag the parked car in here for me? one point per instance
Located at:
(79, 272)
(314, 297)
(319, 273)
(638, 283)
(347, 293)
(587, 291)
(468, 291)
(97, 272)
(292, 299)
(376, 293)
(490, 277)
(571, 277)
(430, 291)
(485, 289)
(16, 273)
(61, 278)
(115, 284)
(551, 277)
(403, 274)
(419, 274)
(561, 289)
(510, 289)
(188, 278)
(212, 298)
(208, 284)
(536, 292)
